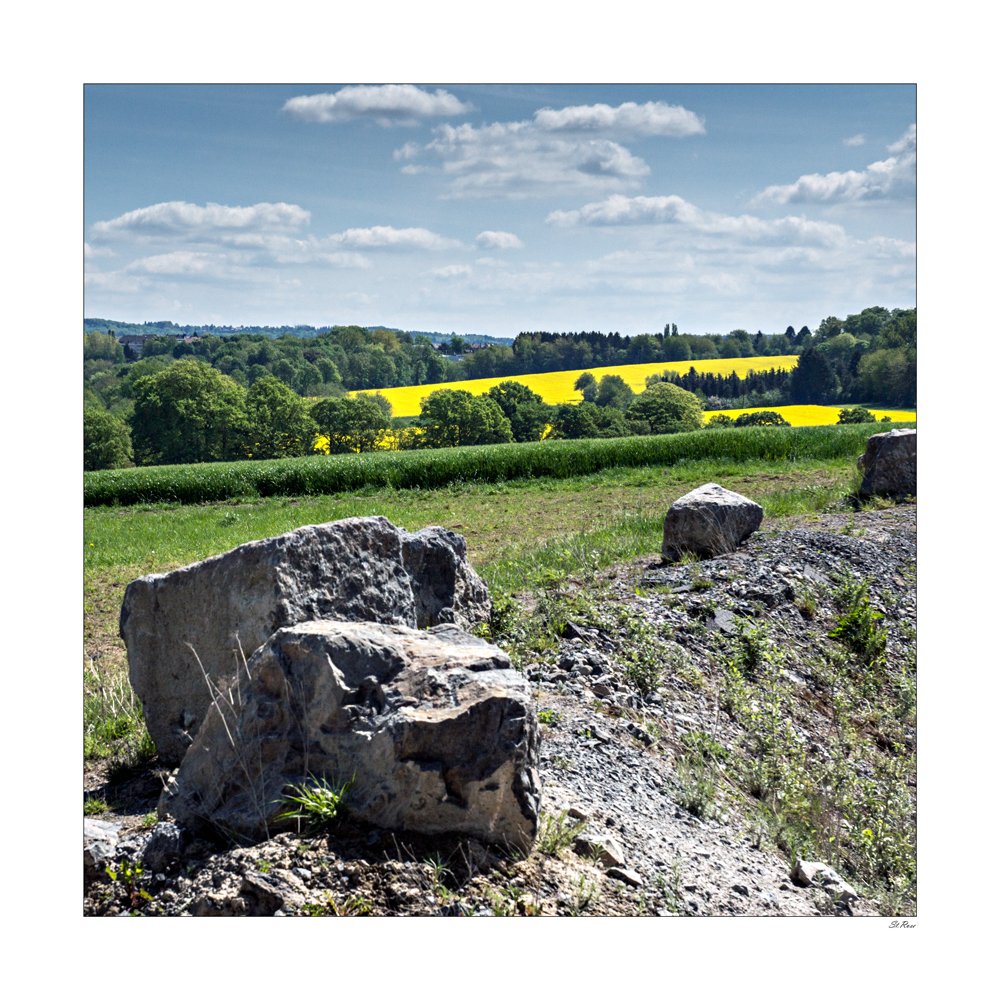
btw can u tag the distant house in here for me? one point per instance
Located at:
(136, 341)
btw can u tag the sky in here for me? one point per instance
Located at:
(496, 209)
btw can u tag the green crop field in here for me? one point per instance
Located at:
(434, 469)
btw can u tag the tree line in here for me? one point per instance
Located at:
(259, 384)
(191, 412)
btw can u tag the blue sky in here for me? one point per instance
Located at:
(496, 209)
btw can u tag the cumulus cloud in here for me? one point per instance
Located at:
(391, 104)
(387, 236)
(651, 118)
(452, 271)
(519, 160)
(894, 177)
(181, 218)
(855, 140)
(491, 239)
(672, 210)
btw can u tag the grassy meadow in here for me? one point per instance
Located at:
(557, 387)
(519, 532)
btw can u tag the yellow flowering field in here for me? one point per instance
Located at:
(557, 387)
(813, 416)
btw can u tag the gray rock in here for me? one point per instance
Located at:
(436, 728)
(100, 840)
(709, 521)
(603, 850)
(267, 895)
(889, 464)
(811, 874)
(626, 875)
(165, 844)
(359, 569)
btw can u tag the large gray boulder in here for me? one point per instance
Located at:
(709, 521)
(889, 464)
(359, 569)
(437, 730)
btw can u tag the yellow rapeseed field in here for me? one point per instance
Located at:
(557, 387)
(812, 416)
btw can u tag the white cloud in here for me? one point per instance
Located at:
(519, 160)
(178, 262)
(387, 236)
(391, 104)
(89, 252)
(891, 178)
(651, 118)
(497, 240)
(855, 140)
(182, 219)
(452, 271)
(907, 142)
(674, 211)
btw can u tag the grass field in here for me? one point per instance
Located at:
(517, 532)
(817, 416)
(557, 387)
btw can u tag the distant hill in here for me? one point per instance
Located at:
(169, 327)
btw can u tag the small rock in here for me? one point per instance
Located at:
(166, 844)
(605, 850)
(626, 875)
(100, 839)
(741, 889)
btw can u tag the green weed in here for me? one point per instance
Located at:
(556, 833)
(319, 803)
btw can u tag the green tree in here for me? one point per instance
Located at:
(576, 421)
(830, 327)
(328, 370)
(103, 347)
(526, 410)
(188, 412)
(856, 415)
(812, 379)
(158, 345)
(352, 424)
(587, 384)
(888, 376)
(614, 391)
(867, 323)
(278, 421)
(762, 418)
(676, 349)
(668, 408)
(452, 417)
(107, 443)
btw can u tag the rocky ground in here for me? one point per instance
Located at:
(650, 746)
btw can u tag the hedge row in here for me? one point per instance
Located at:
(486, 463)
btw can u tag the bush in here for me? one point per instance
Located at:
(720, 420)
(107, 443)
(668, 408)
(762, 418)
(856, 415)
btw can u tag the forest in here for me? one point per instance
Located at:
(222, 397)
